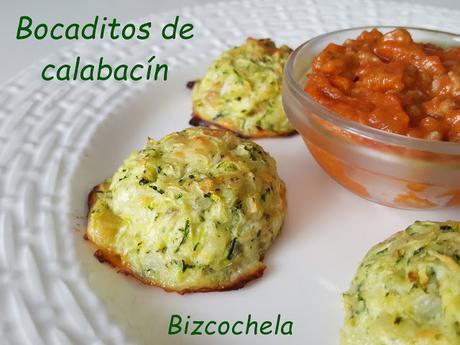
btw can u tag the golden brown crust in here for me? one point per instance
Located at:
(197, 121)
(92, 196)
(106, 256)
(190, 84)
(91, 200)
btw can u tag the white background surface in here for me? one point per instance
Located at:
(15, 55)
(53, 291)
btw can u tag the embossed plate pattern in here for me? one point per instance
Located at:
(58, 139)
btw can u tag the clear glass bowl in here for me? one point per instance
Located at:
(386, 168)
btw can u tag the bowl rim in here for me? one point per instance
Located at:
(443, 147)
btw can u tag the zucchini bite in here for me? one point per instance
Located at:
(407, 290)
(242, 91)
(194, 211)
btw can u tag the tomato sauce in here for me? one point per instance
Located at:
(389, 82)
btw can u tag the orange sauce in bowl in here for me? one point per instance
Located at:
(389, 82)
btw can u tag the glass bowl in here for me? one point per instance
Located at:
(386, 168)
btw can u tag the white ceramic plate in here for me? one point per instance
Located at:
(58, 139)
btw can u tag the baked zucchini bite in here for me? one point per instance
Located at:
(407, 290)
(194, 211)
(242, 90)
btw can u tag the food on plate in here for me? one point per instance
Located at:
(407, 289)
(242, 91)
(389, 82)
(194, 211)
